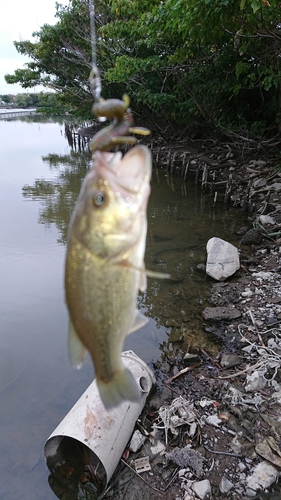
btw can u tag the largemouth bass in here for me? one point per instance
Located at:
(105, 267)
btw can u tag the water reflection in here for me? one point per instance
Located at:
(180, 221)
(40, 175)
(57, 196)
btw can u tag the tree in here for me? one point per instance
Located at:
(5, 98)
(61, 56)
(201, 62)
(23, 100)
(48, 104)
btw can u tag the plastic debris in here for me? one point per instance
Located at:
(142, 465)
(263, 476)
(179, 413)
(137, 441)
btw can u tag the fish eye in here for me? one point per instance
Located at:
(98, 199)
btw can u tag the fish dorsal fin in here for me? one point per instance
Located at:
(139, 321)
(77, 351)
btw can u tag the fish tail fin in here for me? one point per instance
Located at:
(121, 387)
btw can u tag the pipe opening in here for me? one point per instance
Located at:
(74, 467)
(144, 385)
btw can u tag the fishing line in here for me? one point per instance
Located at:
(95, 81)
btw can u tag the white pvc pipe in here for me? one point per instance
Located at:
(104, 433)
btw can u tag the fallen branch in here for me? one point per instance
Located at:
(181, 372)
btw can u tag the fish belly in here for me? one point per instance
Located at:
(101, 298)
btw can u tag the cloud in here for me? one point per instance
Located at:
(21, 19)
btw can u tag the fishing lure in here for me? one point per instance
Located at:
(118, 132)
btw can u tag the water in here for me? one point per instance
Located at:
(40, 181)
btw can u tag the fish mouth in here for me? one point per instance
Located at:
(128, 176)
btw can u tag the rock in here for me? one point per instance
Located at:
(137, 441)
(190, 357)
(272, 322)
(263, 476)
(248, 293)
(235, 445)
(222, 259)
(263, 275)
(242, 230)
(202, 488)
(255, 381)
(172, 322)
(188, 496)
(157, 449)
(269, 449)
(225, 485)
(219, 313)
(252, 237)
(266, 219)
(213, 420)
(175, 335)
(250, 493)
(259, 183)
(229, 360)
(276, 187)
(201, 267)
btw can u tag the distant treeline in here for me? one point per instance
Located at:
(193, 64)
(43, 101)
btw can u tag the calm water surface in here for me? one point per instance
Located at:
(40, 181)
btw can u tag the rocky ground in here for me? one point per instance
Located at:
(212, 429)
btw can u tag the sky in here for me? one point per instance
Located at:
(18, 20)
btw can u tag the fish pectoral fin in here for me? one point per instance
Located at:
(77, 351)
(142, 281)
(147, 272)
(139, 321)
(156, 274)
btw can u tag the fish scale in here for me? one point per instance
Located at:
(105, 267)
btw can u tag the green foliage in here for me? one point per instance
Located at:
(5, 98)
(49, 104)
(210, 61)
(23, 100)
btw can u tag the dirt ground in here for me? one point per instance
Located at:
(228, 406)
(212, 428)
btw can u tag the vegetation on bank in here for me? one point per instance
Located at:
(192, 64)
(45, 102)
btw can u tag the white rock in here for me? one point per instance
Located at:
(255, 381)
(213, 420)
(158, 448)
(188, 496)
(276, 186)
(182, 472)
(225, 485)
(222, 259)
(263, 476)
(259, 183)
(250, 493)
(247, 293)
(277, 397)
(235, 445)
(266, 219)
(202, 488)
(263, 275)
(137, 441)
(241, 466)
